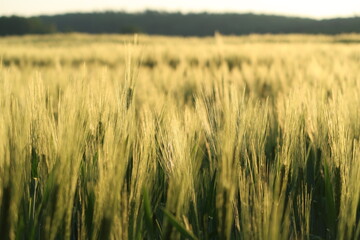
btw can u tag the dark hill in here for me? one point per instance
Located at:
(164, 23)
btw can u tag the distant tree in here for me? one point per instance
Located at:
(38, 27)
(14, 26)
(19, 26)
(131, 29)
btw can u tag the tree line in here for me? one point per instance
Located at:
(175, 23)
(15, 25)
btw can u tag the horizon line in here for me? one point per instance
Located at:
(185, 12)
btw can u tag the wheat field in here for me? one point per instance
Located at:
(150, 137)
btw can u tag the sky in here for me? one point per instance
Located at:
(304, 8)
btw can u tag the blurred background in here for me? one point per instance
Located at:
(181, 18)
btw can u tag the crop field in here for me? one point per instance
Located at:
(150, 137)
